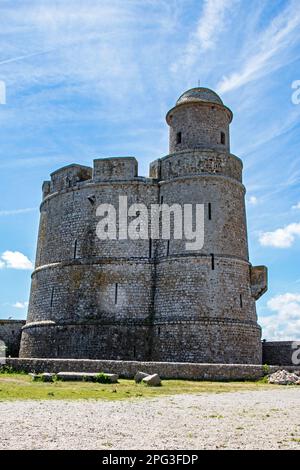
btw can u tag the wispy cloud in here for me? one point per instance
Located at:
(296, 206)
(15, 260)
(210, 24)
(270, 49)
(279, 126)
(16, 211)
(282, 237)
(22, 57)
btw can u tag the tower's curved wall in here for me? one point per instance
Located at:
(90, 297)
(200, 126)
(204, 303)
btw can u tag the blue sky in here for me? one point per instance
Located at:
(96, 78)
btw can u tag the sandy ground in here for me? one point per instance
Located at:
(241, 420)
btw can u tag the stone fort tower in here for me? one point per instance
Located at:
(149, 299)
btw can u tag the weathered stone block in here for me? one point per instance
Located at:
(259, 281)
(152, 380)
(139, 376)
(122, 168)
(86, 376)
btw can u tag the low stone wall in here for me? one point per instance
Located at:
(280, 352)
(127, 369)
(10, 334)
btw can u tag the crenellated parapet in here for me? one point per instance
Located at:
(115, 169)
(104, 170)
(67, 177)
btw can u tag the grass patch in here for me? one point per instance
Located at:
(19, 386)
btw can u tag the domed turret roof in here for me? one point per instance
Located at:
(199, 94)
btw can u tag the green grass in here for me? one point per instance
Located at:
(16, 386)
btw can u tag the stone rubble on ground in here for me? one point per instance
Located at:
(282, 377)
(149, 379)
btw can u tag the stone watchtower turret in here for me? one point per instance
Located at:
(149, 299)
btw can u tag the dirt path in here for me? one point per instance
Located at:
(241, 420)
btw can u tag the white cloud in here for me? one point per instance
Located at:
(209, 26)
(284, 322)
(282, 237)
(296, 206)
(253, 200)
(20, 305)
(276, 39)
(15, 260)
(16, 211)
(211, 22)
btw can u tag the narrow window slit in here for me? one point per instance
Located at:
(75, 250)
(116, 293)
(168, 247)
(150, 247)
(158, 331)
(178, 138)
(241, 300)
(212, 256)
(51, 298)
(209, 211)
(223, 140)
(134, 351)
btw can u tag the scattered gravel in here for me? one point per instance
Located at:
(268, 419)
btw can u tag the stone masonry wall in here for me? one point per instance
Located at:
(69, 220)
(127, 369)
(10, 333)
(187, 163)
(280, 352)
(224, 213)
(200, 127)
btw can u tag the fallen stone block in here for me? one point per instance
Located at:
(47, 377)
(152, 380)
(88, 377)
(34, 377)
(44, 377)
(139, 376)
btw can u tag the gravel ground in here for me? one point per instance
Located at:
(240, 420)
